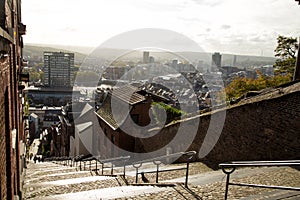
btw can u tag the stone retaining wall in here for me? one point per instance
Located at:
(263, 130)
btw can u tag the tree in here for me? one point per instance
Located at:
(240, 86)
(286, 47)
(171, 112)
(285, 66)
(35, 76)
(286, 53)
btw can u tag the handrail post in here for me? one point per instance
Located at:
(187, 173)
(227, 180)
(157, 163)
(136, 174)
(157, 169)
(190, 155)
(227, 186)
(96, 166)
(124, 168)
(136, 166)
(124, 159)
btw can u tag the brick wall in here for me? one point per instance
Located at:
(10, 107)
(265, 130)
(5, 117)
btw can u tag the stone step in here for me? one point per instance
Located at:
(54, 182)
(275, 195)
(108, 193)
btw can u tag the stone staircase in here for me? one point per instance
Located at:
(52, 181)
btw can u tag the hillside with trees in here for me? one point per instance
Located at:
(285, 53)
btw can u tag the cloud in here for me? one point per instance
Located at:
(190, 19)
(225, 26)
(228, 25)
(69, 29)
(160, 6)
(211, 3)
(258, 39)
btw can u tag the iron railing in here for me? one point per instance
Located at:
(159, 160)
(112, 161)
(83, 159)
(230, 167)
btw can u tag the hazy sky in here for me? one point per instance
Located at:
(228, 26)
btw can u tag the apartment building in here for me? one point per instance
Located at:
(58, 69)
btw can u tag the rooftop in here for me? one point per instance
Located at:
(126, 97)
(128, 94)
(105, 113)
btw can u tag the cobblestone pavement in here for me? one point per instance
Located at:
(42, 182)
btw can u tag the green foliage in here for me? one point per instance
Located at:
(285, 66)
(286, 54)
(241, 86)
(35, 76)
(286, 47)
(284, 69)
(172, 113)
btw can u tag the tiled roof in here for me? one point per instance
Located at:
(105, 113)
(128, 94)
(122, 98)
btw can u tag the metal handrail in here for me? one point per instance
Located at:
(230, 167)
(123, 159)
(85, 159)
(158, 161)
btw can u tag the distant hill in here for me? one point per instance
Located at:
(111, 54)
(38, 51)
(80, 49)
(227, 59)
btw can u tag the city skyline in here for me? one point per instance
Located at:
(230, 26)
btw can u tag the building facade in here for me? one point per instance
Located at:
(112, 137)
(216, 60)
(58, 69)
(146, 56)
(12, 126)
